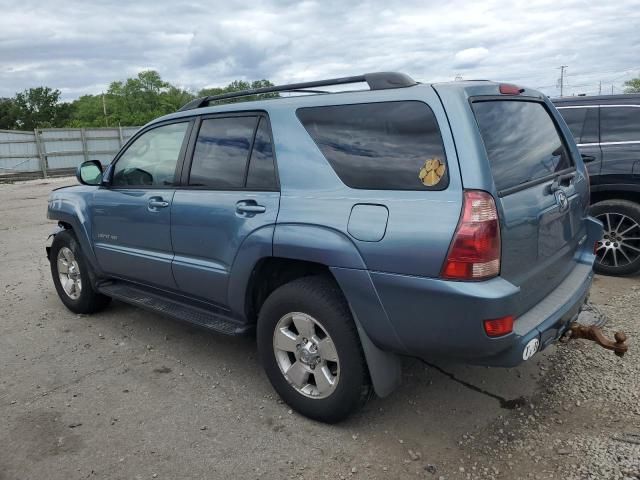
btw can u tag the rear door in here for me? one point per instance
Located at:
(583, 121)
(541, 199)
(229, 191)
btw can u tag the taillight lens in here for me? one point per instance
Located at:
(508, 89)
(475, 250)
(498, 327)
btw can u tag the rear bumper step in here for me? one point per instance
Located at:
(154, 302)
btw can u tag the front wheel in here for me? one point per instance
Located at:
(618, 252)
(70, 273)
(311, 351)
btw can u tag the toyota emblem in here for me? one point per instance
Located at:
(562, 200)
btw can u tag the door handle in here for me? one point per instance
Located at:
(157, 202)
(250, 207)
(560, 181)
(554, 187)
(566, 179)
(588, 158)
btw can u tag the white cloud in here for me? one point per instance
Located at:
(79, 47)
(469, 57)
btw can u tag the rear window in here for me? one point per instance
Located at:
(390, 145)
(583, 123)
(620, 124)
(521, 140)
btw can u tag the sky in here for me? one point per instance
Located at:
(79, 47)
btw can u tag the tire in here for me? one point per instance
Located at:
(83, 298)
(317, 300)
(618, 253)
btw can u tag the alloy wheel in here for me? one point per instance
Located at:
(620, 244)
(306, 355)
(69, 273)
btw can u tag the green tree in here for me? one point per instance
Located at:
(174, 98)
(87, 111)
(40, 108)
(130, 102)
(8, 114)
(632, 86)
(238, 85)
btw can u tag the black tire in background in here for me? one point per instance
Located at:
(618, 253)
(88, 301)
(320, 298)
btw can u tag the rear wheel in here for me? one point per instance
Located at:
(70, 273)
(618, 252)
(311, 351)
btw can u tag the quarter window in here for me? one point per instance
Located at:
(262, 174)
(221, 153)
(388, 145)
(152, 158)
(620, 124)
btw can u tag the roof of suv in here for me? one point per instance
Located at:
(624, 99)
(378, 82)
(375, 81)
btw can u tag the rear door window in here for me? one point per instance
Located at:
(521, 140)
(620, 124)
(221, 153)
(390, 145)
(583, 123)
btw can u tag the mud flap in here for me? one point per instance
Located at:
(385, 369)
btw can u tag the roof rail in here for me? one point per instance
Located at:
(376, 81)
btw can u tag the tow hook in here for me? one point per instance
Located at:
(594, 333)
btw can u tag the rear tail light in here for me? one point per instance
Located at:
(474, 253)
(499, 326)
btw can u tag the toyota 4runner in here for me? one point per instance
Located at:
(351, 228)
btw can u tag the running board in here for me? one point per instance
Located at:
(160, 303)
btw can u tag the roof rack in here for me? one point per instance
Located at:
(376, 81)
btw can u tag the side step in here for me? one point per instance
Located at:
(161, 303)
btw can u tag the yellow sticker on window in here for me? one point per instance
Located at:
(432, 172)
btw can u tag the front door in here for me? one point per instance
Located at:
(229, 192)
(132, 216)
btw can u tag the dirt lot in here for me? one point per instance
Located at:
(126, 394)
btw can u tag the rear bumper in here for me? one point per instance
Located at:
(548, 320)
(441, 319)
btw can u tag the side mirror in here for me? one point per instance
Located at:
(90, 172)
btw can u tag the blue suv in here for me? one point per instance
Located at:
(347, 229)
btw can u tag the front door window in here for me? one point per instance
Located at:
(152, 158)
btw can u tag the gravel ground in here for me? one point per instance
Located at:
(584, 420)
(126, 394)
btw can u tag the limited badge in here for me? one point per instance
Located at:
(432, 172)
